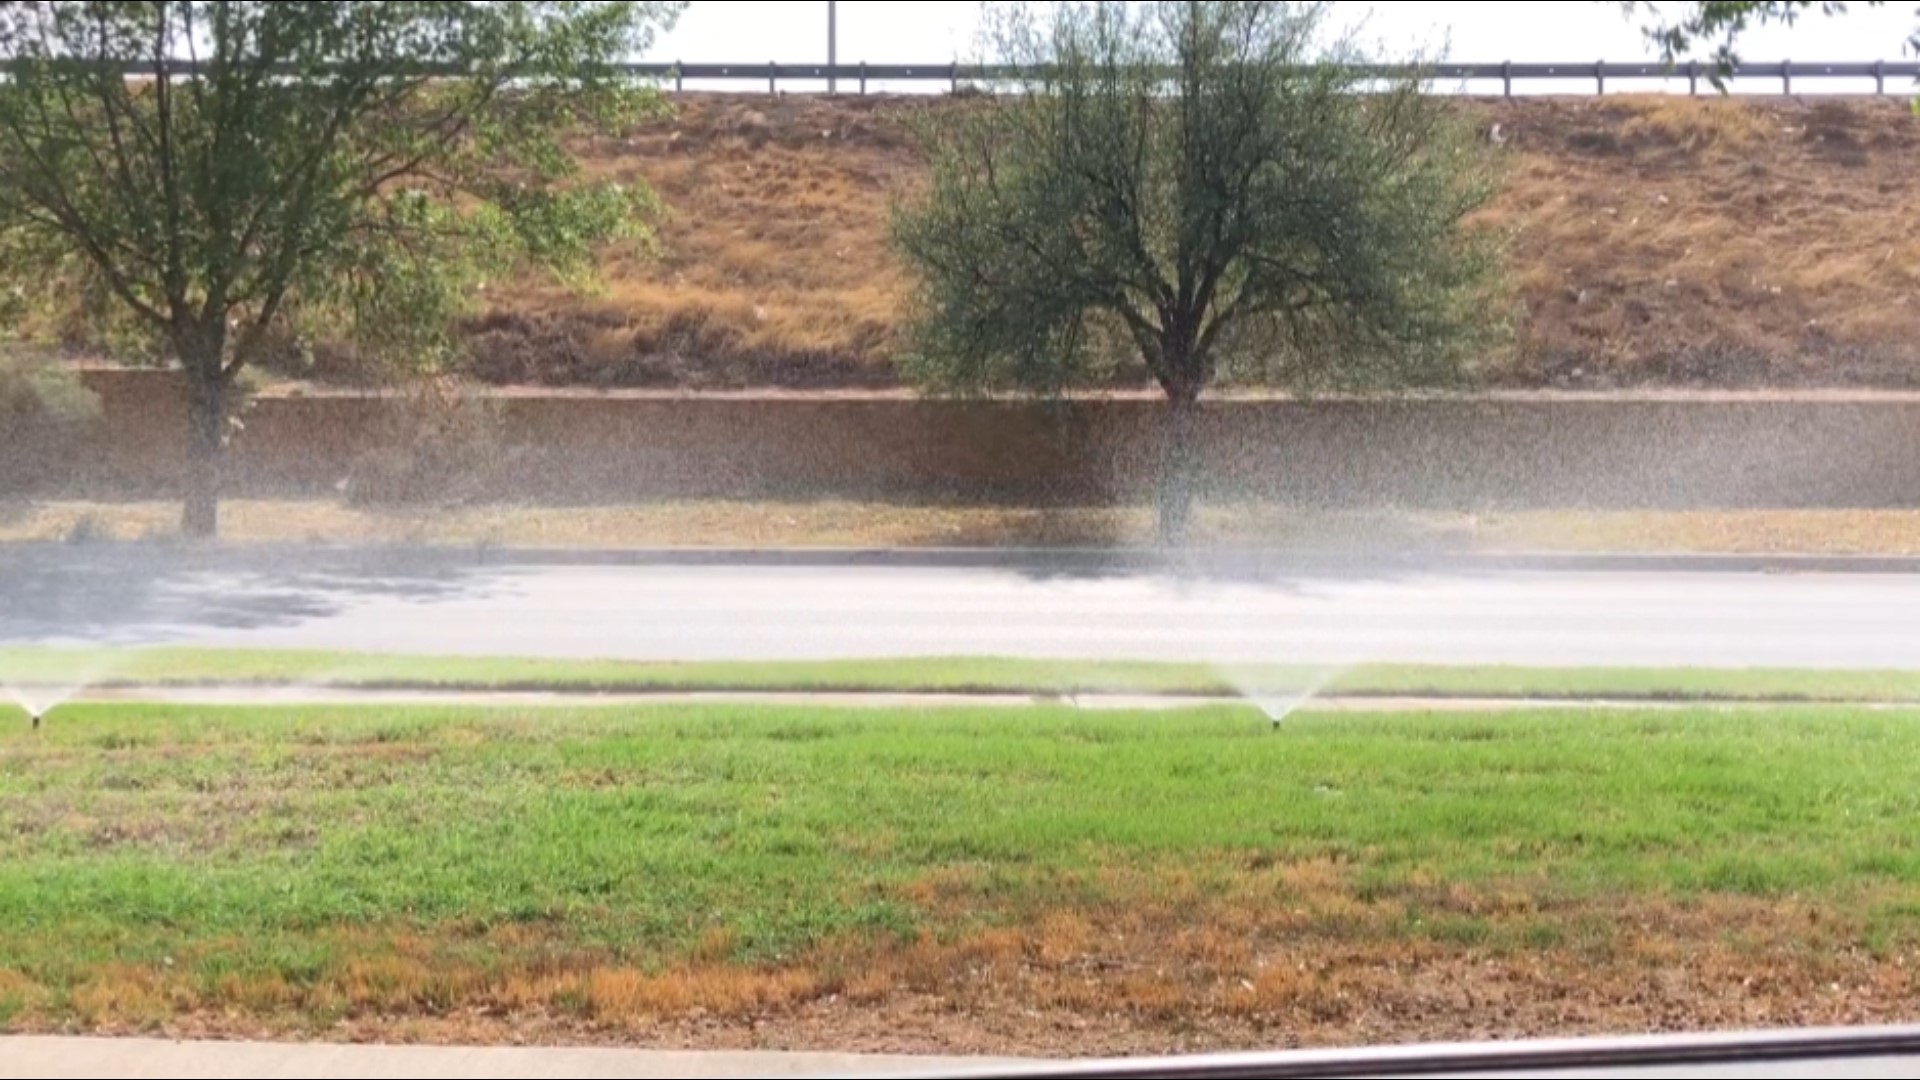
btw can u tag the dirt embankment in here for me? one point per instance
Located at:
(1654, 241)
(1716, 243)
(776, 269)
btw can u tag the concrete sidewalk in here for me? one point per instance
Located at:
(149, 1060)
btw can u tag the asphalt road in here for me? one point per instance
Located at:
(447, 605)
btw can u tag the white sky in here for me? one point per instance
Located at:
(939, 31)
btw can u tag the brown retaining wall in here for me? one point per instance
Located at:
(1511, 453)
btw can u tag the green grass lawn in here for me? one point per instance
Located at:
(293, 869)
(952, 674)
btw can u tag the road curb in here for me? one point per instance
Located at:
(1088, 559)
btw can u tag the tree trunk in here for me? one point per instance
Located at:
(206, 436)
(201, 343)
(1179, 467)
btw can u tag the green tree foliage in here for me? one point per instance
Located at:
(1679, 28)
(1214, 188)
(212, 177)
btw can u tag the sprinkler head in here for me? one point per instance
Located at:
(36, 721)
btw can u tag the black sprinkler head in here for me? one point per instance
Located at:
(36, 721)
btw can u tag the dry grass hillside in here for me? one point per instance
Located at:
(776, 269)
(1654, 241)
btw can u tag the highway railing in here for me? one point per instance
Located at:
(1887, 75)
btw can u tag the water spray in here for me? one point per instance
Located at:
(1297, 689)
(49, 678)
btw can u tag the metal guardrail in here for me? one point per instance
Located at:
(1509, 74)
(1834, 1049)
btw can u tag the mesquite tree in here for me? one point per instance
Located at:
(222, 175)
(1210, 187)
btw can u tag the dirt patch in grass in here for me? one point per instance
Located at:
(1309, 965)
(195, 806)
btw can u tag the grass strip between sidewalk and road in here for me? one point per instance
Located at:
(955, 675)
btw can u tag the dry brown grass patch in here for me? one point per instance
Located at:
(1710, 242)
(1198, 963)
(625, 995)
(1654, 239)
(777, 267)
(127, 995)
(854, 524)
(1692, 124)
(1062, 938)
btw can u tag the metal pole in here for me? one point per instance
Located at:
(833, 45)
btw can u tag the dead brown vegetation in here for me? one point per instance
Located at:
(1654, 240)
(871, 524)
(1291, 955)
(776, 268)
(1717, 243)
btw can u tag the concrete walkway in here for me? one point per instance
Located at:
(145, 1060)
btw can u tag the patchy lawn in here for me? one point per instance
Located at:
(1034, 881)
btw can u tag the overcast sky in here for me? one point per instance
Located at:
(938, 31)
